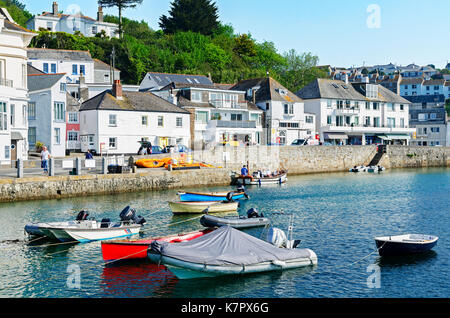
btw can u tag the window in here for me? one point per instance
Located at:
(7, 152)
(329, 120)
(144, 120)
(24, 114)
(45, 67)
(112, 143)
(367, 121)
(422, 117)
(309, 119)
(391, 122)
(31, 110)
(53, 68)
(402, 107)
(160, 121)
(73, 117)
(329, 103)
(402, 122)
(340, 104)
(62, 87)
(368, 105)
(13, 115)
(339, 121)
(32, 136)
(433, 116)
(57, 136)
(59, 111)
(74, 69)
(436, 87)
(83, 69)
(196, 96)
(94, 30)
(236, 117)
(286, 109)
(201, 117)
(376, 106)
(376, 122)
(72, 136)
(112, 120)
(390, 107)
(267, 106)
(347, 104)
(435, 130)
(179, 122)
(50, 26)
(3, 117)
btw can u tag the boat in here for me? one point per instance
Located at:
(203, 207)
(137, 249)
(358, 169)
(374, 169)
(150, 163)
(213, 196)
(405, 244)
(227, 251)
(258, 179)
(86, 230)
(253, 219)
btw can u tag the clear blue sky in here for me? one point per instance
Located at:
(335, 30)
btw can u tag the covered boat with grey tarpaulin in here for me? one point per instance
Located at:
(227, 251)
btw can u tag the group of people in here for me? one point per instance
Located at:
(259, 173)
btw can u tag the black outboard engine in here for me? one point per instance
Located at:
(253, 213)
(230, 197)
(106, 223)
(82, 216)
(242, 189)
(128, 215)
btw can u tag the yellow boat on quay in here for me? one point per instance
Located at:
(203, 207)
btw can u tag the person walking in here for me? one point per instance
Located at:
(45, 156)
(89, 155)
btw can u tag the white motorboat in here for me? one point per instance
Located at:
(259, 179)
(87, 230)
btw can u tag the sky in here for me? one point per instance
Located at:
(342, 33)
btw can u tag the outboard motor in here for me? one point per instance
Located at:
(242, 189)
(106, 223)
(253, 213)
(230, 197)
(277, 237)
(82, 216)
(128, 215)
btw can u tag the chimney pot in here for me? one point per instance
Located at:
(117, 89)
(100, 14)
(55, 8)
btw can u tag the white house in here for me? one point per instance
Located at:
(13, 89)
(114, 122)
(47, 112)
(218, 115)
(357, 113)
(56, 21)
(285, 118)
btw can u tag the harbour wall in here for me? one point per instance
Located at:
(297, 160)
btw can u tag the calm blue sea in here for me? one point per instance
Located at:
(336, 215)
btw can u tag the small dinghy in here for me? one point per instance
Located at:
(259, 179)
(203, 207)
(253, 219)
(358, 169)
(375, 169)
(405, 244)
(137, 249)
(227, 251)
(87, 230)
(213, 196)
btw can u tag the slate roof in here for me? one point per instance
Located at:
(54, 54)
(267, 89)
(100, 65)
(411, 81)
(38, 82)
(434, 82)
(10, 24)
(426, 99)
(334, 89)
(132, 101)
(164, 79)
(31, 70)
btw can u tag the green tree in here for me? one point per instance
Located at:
(191, 15)
(17, 11)
(121, 5)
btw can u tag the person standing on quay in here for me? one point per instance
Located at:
(45, 155)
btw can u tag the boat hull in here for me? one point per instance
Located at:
(208, 197)
(202, 207)
(391, 246)
(261, 181)
(235, 222)
(188, 270)
(137, 249)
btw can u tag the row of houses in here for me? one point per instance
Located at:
(71, 102)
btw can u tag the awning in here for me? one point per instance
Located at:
(15, 135)
(335, 136)
(395, 137)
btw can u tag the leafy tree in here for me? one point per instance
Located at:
(191, 15)
(121, 5)
(245, 46)
(17, 11)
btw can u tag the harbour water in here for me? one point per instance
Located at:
(336, 215)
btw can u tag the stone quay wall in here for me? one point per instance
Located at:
(297, 160)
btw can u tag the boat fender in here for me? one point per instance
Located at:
(279, 263)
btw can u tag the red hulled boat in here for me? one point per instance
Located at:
(137, 249)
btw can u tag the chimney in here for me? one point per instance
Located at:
(254, 96)
(55, 8)
(117, 89)
(346, 78)
(100, 14)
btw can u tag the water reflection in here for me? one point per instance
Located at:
(406, 260)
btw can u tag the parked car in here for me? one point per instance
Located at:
(156, 150)
(299, 142)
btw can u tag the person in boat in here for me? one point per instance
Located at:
(244, 171)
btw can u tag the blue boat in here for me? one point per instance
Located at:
(212, 196)
(405, 244)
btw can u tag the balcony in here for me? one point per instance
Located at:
(228, 104)
(352, 128)
(232, 124)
